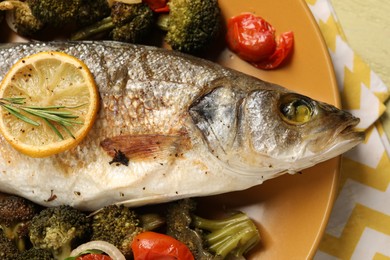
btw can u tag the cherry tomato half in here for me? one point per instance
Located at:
(151, 245)
(94, 257)
(253, 40)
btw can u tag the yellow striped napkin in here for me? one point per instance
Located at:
(359, 225)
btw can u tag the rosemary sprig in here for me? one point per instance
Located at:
(50, 114)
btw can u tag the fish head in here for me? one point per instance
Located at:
(296, 130)
(270, 130)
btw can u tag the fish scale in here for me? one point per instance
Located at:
(189, 127)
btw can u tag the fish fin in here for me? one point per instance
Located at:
(144, 147)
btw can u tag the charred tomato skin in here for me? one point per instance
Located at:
(253, 39)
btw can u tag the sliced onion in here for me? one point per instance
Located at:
(6, 6)
(111, 2)
(10, 19)
(9, 14)
(129, 1)
(104, 246)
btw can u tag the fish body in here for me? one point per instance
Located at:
(172, 126)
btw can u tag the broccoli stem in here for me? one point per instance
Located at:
(151, 221)
(63, 253)
(12, 234)
(235, 235)
(102, 26)
(163, 22)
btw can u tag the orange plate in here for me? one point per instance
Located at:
(291, 211)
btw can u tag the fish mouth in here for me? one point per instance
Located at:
(349, 131)
(345, 138)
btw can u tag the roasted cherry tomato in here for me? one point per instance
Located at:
(253, 40)
(151, 245)
(94, 257)
(158, 6)
(285, 45)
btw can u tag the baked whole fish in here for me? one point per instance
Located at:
(188, 127)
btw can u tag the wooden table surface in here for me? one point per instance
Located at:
(366, 24)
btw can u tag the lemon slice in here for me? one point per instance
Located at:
(47, 82)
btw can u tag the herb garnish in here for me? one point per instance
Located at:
(49, 114)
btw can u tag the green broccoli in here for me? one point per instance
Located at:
(55, 13)
(191, 25)
(118, 225)
(127, 23)
(234, 235)
(35, 254)
(132, 22)
(92, 11)
(23, 21)
(8, 250)
(178, 221)
(59, 230)
(15, 217)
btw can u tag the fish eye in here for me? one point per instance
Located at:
(296, 109)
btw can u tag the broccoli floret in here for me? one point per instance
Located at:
(191, 25)
(23, 21)
(127, 22)
(178, 221)
(55, 12)
(92, 11)
(234, 235)
(35, 254)
(15, 217)
(59, 230)
(117, 225)
(8, 250)
(132, 22)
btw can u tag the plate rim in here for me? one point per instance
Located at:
(337, 103)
